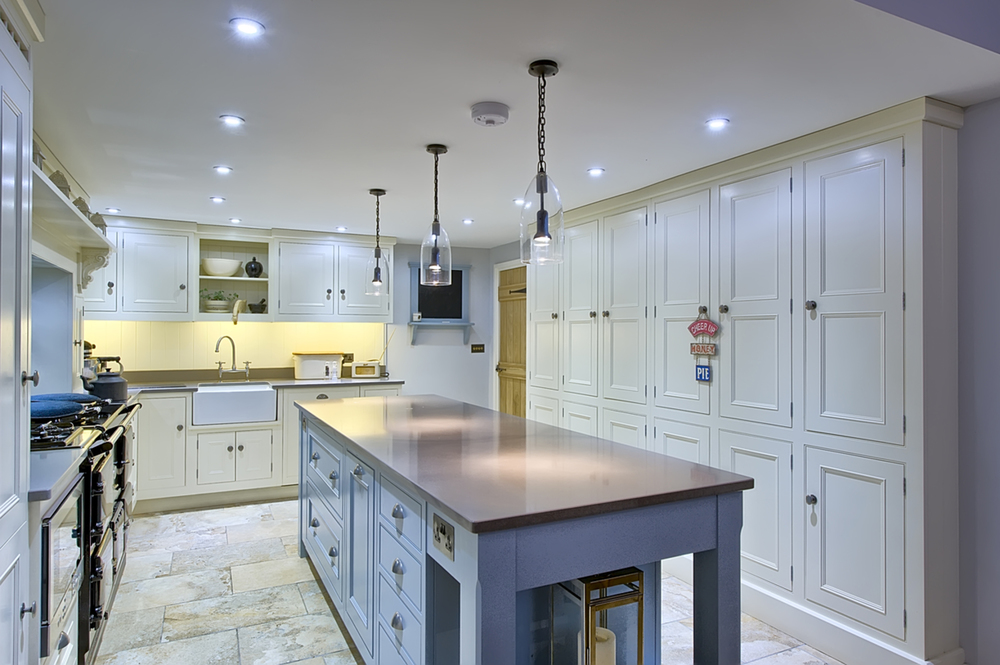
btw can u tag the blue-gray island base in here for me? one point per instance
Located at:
(433, 523)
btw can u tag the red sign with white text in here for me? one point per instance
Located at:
(703, 327)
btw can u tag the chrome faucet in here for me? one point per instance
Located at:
(246, 369)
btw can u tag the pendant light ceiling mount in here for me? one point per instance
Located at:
(377, 192)
(540, 68)
(437, 149)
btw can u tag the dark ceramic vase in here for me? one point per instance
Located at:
(254, 268)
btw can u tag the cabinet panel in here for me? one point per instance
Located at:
(379, 391)
(253, 455)
(101, 294)
(13, 592)
(353, 279)
(684, 440)
(543, 326)
(161, 443)
(624, 427)
(408, 637)
(581, 418)
(854, 537)
(154, 272)
(305, 278)
(624, 306)
(216, 458)
(755, 368)
(323, 533)
(854, 274)
(291, 422)
(766, 544)
(681, 285)
(543, 409)
(360, 578)
(581, 320)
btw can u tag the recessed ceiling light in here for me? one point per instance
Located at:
(235, 220)
(231, 120)
(216, 199)
(247, 26)
(341, 229)
(596, 171)
(224, 170)
(519, 202)
(113, 211)
(467, 221)
(715, 124)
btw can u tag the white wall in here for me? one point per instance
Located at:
(979, 381)
(441, 363)
(52, 328)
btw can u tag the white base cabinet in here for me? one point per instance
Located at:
(161, 445)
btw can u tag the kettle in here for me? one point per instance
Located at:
(108, 385)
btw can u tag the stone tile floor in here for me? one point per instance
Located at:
(225, 586)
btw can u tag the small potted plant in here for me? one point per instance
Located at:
(218, 301)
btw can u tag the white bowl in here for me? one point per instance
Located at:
(221, 267)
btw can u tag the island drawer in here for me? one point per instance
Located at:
(323, 532)
(404, 631)
(388, 653)
(325, 469)
(403, 514)
(400, 567)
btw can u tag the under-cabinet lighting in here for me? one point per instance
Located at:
(341, 229)
(113, 211)
(235, 220)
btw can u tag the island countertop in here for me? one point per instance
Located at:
(493, 471)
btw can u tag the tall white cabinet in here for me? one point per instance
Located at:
(828, 263)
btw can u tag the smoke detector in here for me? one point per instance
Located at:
(490, 114)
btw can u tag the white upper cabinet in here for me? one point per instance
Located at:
(854, 293)
(543, 325)
(581, 309)
(755, 352)
(680, 287)
(305, 278)
(154, 272)
(624, 306)
(101, 294)
(353, 279)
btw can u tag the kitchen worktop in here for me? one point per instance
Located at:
(492, 471)
(49, 470)
(180, 386)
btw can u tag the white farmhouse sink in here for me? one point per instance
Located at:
(232, 403)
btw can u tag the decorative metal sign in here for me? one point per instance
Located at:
(703, 327)
(702, 349)
(702, 373)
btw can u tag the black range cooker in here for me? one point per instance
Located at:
(103, 429)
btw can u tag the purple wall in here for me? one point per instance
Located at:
(979, 380)
(973, 21)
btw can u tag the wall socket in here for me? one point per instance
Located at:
(479, 348)
(444, 537)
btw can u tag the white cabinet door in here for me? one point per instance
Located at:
(624, 427)
(543, 409)
(216, 458)
(253, 455)
(581, 309)
(854, 275)
(581, 418)
(854, 537)
(305, 278)
(680, 287)
(161, 445)
(101, 294)
(154, 272)
(379, 391)
(766, 544)
(543, 326)
(755, 336)
(291, 423)
(360, 545)
(624, 361)
(683, 440)
(353, 279)
(15, 590)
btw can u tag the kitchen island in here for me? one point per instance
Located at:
(432, 524)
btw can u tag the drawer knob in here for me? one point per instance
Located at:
(334, 476)
(397, 621)
(358, 471)
(333, 553)
(397, 567)
(315, 523)
(315, 457)
(397, 512)
(811, 499)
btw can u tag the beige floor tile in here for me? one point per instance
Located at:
(232, 611)
(176, 541)
(171, 590)
(242, 533)
(146, 565)
(270, 574)
(676, 600)
(289, 640)
(816, 653)
(284, 510)
(313, 597)
(201, 519)
(760, 640)
(151, 526)
(344, 657)
(790, 657)
(130, 630)
(228, 555)
(291, 544)
(676, 644)
(216, 649)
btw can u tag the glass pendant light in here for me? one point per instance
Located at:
(542, 211)
(435, 250)
(376, 285)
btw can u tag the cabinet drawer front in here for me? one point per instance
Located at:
(399, 566)
(388, 654)
(323, 531)
(405, 632)
(325, 469)
(403, 514)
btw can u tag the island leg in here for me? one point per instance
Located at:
(498, 598)
(717, 588)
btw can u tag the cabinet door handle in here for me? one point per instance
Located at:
(343, 291)
(810, 305)
(723, 309)
(315, 523)
(240, 447)
(397, 567)
(111, 285)
(183, 286)
(606, 314)
(593, 314)
(322, 396)
(328, 293)
(397, 512)
(180, 428)
(358, 473)
(315, 457)
(333, 553)
(31, 610)
(33, 377)
(555, 315)
(334, 476)
(811, 499)
(397, 621)
(230, 449)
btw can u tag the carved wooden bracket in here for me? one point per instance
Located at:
(91, 260)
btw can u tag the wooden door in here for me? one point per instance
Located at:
(154, 270)
(581, 310)
(543, 320)
(512, 294)
(624, 310)
(854, 293)
(305, 278)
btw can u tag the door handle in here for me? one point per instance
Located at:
(31, 610)
(240, 447)
(810, 305)
(811, 499)
(183, 286)
(555, 315)
(230, 449)
(606, 314)
(33, 377)
(499, 368)
(593, 314)
(723, 309)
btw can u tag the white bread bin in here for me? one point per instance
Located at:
(317, 365)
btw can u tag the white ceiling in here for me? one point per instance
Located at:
(342, 96)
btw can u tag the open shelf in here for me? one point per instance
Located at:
(232, 279)
(464, 326)
(55, 213)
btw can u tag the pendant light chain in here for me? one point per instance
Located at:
(436, 186)
(377, 222)
(541, 124)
